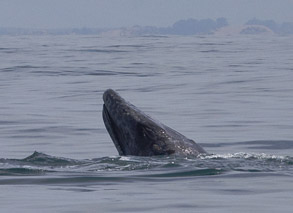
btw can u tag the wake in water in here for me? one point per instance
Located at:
(50, 169)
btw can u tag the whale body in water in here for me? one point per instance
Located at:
(135, 133)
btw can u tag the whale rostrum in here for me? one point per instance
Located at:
(135, 133)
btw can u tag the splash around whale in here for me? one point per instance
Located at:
(135, 133)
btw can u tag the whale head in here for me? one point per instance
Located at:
(135, 133)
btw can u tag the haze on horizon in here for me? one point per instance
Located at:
(124, 13)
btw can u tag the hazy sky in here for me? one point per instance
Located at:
(117, 13)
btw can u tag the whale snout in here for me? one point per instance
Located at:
(110, 95)
(112, 100)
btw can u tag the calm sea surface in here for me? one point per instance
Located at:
(233, 95)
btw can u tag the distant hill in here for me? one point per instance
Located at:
(181, 27)
(245, 30)
(284, 28)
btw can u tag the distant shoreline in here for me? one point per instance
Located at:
(219, 26)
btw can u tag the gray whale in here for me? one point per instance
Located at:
(135, 133)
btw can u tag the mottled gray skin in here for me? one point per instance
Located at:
(135, 133)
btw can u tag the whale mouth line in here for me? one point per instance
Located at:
(112, 127)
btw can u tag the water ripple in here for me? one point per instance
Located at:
(48, 169)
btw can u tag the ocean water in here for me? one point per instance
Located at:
(231, 94)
